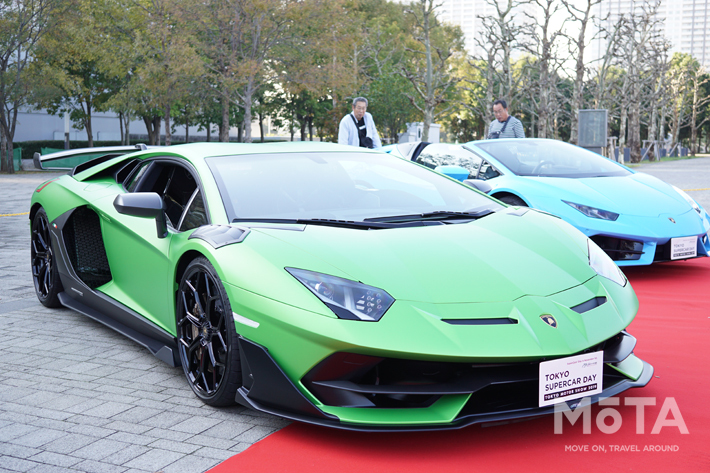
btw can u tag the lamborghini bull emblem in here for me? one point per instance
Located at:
(549, 320)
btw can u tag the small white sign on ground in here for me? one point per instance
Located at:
(568, 378)
(685, 247)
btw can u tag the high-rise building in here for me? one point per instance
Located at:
(467, 15)
(683, 22)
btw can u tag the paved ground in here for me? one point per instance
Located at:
(76, 396)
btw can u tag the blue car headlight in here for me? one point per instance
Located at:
(603, 265)
(347, 299)
(593, 212)
(689, 199)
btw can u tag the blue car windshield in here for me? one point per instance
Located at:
(549, 158)
(349, 186)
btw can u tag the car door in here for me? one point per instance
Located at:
(140, 259)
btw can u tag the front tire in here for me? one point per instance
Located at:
(45, 274)
(513, 200)
(207, 339)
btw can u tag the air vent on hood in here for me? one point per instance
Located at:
(589, 305)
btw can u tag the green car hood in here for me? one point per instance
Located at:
(500, 257)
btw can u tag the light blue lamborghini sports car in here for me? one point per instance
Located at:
(636, 218)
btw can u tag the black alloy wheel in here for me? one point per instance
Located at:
(207, 339)
(44, 269)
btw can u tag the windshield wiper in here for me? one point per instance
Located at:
(364, 225)
(433, 216)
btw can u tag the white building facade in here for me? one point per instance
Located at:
(684, 23)
(467, 15)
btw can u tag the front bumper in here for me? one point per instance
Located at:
(410, 395)
(441, 366)
(636, 241)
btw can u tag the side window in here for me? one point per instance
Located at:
(195, 215)
(184, 206)
(127, 171)
(426, 160)
(135, 177)
(449, 155)
(178, 191)
(487, 171)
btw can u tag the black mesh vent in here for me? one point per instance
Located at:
(619, 249)
(85, 246)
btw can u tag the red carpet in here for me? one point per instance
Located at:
(673, 332)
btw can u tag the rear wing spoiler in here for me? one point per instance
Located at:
(82, 158)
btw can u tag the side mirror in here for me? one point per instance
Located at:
(482, 186)
(143, 204)
(457, 172)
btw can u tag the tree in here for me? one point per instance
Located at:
(383, 56)
(390, 104)
(640, 32)
(581, 16)
(125, 51)
(605, 67)
(501, 35)
(431, 49)
(657, 92)
(170, 64)
(327, 56)
(698, 78)
(542, 46)
(476, 91)
(679, 75)
(70, 60)
(240, 41)
(22, 24)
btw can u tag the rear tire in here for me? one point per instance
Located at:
(45, 274)
(207, 339)
(512, 200)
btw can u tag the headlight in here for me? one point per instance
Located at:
(347, 299)
(603, 265)
(593, 212)
(688, 199)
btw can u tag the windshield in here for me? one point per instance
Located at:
(436, 155)
(341, 186)
(550, 158)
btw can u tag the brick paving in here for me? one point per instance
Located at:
(77, 396)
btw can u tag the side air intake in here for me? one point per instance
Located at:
(85, 246)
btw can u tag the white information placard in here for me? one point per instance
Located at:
(568, 378)
(684, 247)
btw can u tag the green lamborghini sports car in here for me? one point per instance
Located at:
(336, 285)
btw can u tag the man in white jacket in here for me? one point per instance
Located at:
(358, 128)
